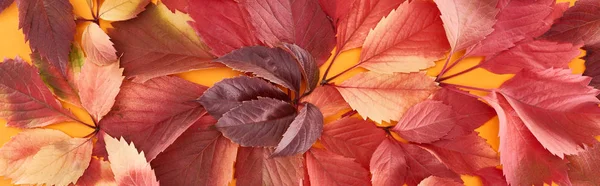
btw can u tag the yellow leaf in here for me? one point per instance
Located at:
(119, 10)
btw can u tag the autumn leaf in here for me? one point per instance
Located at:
(384, 97)
(471, 113)
(492, 176)
(62, 86)
(5, 4)
(98, 88)
(326, 168)
(128, 166)
(434, 180)
(328, 99)
(120, 10)
(578, 24)
(26, 102)
(336, 10)
(154, 119)
(592, 64)
(255, 166)
(164, 39)
(44, 156)
(426, 122)
(409, 39)
(97, 45)
(583, 166)
(309, 70)
(302, 132)
(200, 156)
(180, 5)
(97, 173)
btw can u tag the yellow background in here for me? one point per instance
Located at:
(12, 43)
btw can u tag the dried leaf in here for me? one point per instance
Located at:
(578, 24)
(328, 99)
(128, 166)
(426, 122)
(353, 138)
(255, 166)
(120, 10)
(583, 167)
(302, 132)
(98, 173)
(434, 180)
(326, 168)
(62, 86)
(464, 155)
(98, 88)
(97, 45)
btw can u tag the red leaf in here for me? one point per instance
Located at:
(98, 173)
(464, 155)
(559, 109)
(260, 122)
(384, 97)
(467, 22)
(592, 64)
(471, 113)
(492, 176)
(128, 166)
(153, 114)
(255, 166)
(423, 164)
(230, 93)
(532, 55)
(434, 180)
(302, 132)
(336, 9)
(49, 26)
(200, 156)
(222, 24)
(328, 99)
(583, 167)
(97, 45)
(409, 39)
(353, 138)
(309, 70)
(426, 122)
(168, 45)
(388, 165)
(98, 88)
(364, 15)
(301, 22)
(326, 168)
(578, 24)
(26, 102)
(273, 64)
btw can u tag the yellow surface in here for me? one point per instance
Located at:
(12, 44)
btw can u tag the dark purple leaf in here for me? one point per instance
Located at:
(302, 133)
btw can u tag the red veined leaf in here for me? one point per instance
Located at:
(353, 138)
(180, 5)
(336, 9)
(49, 27)
(120, 10)
(98, 88)
(26, 102)
(464, 155)
(388, 165)
(423, 164)
(223, 25)
(200, 156)
(230, 93)
(471, 113)
(532, 55)
(467, 22)
(426, 122)
(302, 132)
(434, 180)
(352, 29)
(328, 99)
(583, 167)
(492, 176)
(309, 70)
(592, 64)
(260, 122)
(326, 168)
(64, 87)
(273, 64)
(98, 173)
(97, 45)
(557, 107)
(128, 166)
(5, 4)
(164, 39)
(409, 39)
(524, 160)
(578, 24)
(154, 119)
(255, 166)
(384, 97)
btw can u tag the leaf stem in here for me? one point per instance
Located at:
(445, 66)
(323, 81)
(349, 113)
(460, 73)
(341, 73)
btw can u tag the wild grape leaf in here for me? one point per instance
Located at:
(592, 64)
(301, 22)
(384, 97)
(578, 24)
(336, 9)
(154, 113)
(388, 165)
(353, 138)
(426, 122)
(223, 25)
(273, 64)
(434, 180)
(120, 10)
(326, 168)
(364, 15)
(409, 39)
(423, 164)
(467, 22)
(98, 88)
(471, 113)
(518, 20)
(532, 54)
(524, 160)
(260, 122)
(302, 132)
(230, 93)
(164, 39)
(255, 166)
(309, 70)
(98, 173)
(557, 107)
(464, 155)
(492, 176)
(49, 27)
(63, 86)
(180, 5)
(200, 156)
(26, 102)
(328, 99)
(97, 45)
(128, 166)
(5, 4)
(583, 167)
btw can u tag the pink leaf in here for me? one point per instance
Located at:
(434, 180)
(255, 166)
(423, 164)
(583, 167)
(426, 122)
(592, 64)
(464, 155)
(5, 4)
(328, 99)
(471, 113)
(388, 165)
(128, 166)
(336, 9)
(326, 168)
(492, 176)
(353, 138)
(98, 88)
(97, 45)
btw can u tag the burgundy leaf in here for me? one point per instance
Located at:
(578, 24)
(328, 99)
(583, 167)
(255, 166)
(328, 169)
(592, 64)
(426, 122)
(260, 122)
(388, 165)
(464, 155)
(309, 70)
(471, 113)
(353, 138)
(302, 132)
